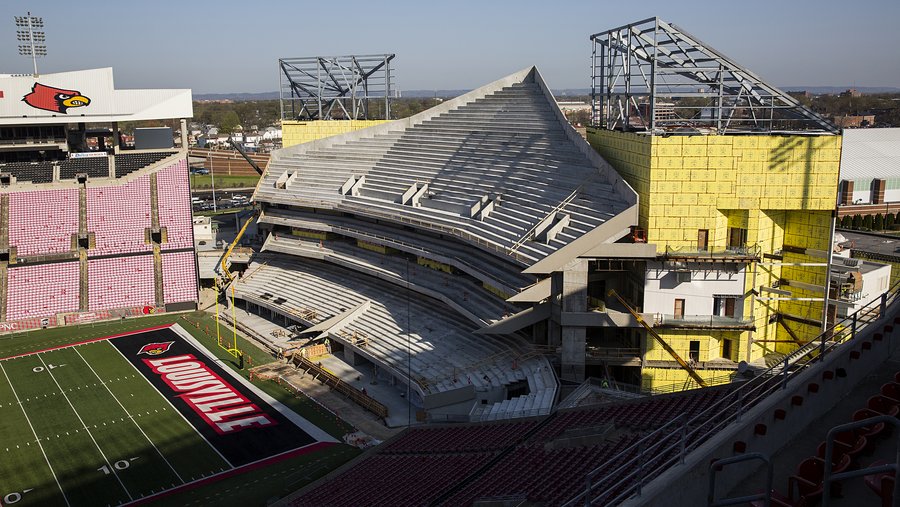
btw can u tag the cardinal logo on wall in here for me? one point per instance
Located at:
(53, 99)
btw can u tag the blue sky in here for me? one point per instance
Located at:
(233, 46)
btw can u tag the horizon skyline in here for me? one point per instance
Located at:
(439, 56)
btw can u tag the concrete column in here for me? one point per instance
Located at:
(574, 299)
(184, 134)
(349, 356)
(116, 139)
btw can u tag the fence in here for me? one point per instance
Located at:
(363, 400)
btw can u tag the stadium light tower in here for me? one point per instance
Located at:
(33, 41)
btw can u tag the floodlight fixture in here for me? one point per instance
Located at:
(30, 37)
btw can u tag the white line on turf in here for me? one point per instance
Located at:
(129, 415)
(108, 464)
(141, 375)
(35, 435)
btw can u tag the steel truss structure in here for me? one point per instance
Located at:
(653, 76)
(334, 87)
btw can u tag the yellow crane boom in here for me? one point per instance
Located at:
(699, 380)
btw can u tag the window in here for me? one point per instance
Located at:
(694, 352)
(726, 349)
(679, 308)
(737, 237)
(702, 239)
(723, 306)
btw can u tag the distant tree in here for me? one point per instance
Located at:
(857, 221)
(878, 223)
(889, 221)
(229, 122)
(868, 222)
(846, 222)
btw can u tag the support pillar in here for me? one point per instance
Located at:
(573, 298)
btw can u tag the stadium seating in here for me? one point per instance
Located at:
(94, 167)
(445, 353)
(535, 463)
(179, 277)
(43, 221)
(118, 216)
(446, 439)
(34, 172)
(127, 163)
(482, 266)
(471, 297)
(120, 282)
(509, 143)
(42, 290)
(174, 198)
(399, 480)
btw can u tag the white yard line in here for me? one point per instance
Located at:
(35, 434)
(108, 464)
(129, 415)
(141, 375)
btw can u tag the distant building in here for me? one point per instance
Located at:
(854, 121)
(870, 166)
(851, 92)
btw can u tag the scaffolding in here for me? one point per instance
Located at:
(652, 76)
(335, 87)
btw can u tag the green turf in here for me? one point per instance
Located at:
(166, 446)
(108, 435)
(257, 487)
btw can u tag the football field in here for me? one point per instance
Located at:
(121, 419)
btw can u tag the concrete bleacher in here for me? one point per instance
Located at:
(400, 331)
(485, 267)
(468, 297)
(504, 144)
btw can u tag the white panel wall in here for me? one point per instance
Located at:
(661, 288)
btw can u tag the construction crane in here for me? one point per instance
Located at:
(222, 285)
(687, 367)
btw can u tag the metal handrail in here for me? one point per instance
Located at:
(731, 408)
(827, 478)
(719, 464)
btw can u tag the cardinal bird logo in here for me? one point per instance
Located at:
(53, 99)
(155, 349)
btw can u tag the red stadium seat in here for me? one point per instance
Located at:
(891, 390)
(882, 484)
(883, 405)
(871, 432)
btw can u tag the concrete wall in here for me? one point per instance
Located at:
(661, 288)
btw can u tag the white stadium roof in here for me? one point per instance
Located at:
(870, 153)
(85, 96)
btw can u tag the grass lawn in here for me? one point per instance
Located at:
(204, 181)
